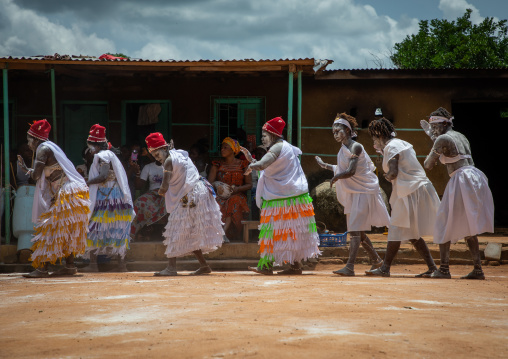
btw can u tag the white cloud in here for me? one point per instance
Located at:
(452, 9)
(341, 30)
(27, 34)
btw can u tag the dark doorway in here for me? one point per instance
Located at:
(485, 125)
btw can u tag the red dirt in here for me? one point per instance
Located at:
(241, 314)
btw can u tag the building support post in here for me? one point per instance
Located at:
(290, 107)
(299, 113)
(7, 151)
(53, 105)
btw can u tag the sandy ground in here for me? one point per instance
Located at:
(245, 315)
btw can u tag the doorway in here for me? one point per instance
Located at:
(485, 125)
(78, 117)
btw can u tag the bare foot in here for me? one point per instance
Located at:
(202, 270)
(65, 271)
(37, 274)
(166, 273)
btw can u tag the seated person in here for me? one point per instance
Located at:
(230, 183)
(198, 153)
(22, 178)
(150, 207)
(257, 153)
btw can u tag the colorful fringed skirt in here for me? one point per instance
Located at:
(288, 232)
(110, 224)
(62, 230)
(195, 224)
(150, 208)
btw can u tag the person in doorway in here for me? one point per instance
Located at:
(194, 224)
(288, 232)
(231, 184)
(358, 190)
(60, 208)
(414, 200)
(110, 203)
(467, 206)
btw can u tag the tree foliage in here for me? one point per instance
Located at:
(454, 44)
(119, 54)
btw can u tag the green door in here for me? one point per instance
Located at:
(78, 118)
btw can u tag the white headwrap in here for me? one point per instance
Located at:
(434, 119)
(345, 123)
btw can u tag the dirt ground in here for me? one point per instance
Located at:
(245, 315)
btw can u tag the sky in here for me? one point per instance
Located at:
(352, 33)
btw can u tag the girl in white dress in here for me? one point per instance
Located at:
(414, 200)
(467, 207)
(358, 191)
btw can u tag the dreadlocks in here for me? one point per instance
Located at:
(442, 112)
(381, 128)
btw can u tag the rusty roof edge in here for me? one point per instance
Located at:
(141, 62)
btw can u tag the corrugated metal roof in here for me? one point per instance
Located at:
(96, 59)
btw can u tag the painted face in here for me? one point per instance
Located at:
(340, 132)
(226, 150)
(267, 139)
(160, 154)
(93, 148)
(32, 142)
(438, 128)
(379, 144)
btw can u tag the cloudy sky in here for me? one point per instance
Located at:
(353, 33)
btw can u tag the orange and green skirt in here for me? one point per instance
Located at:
(288, 232)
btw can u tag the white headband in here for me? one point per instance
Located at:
(345, 123)
(433, 119)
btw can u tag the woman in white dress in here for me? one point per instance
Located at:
(467, 206)
(358, 191)
(288, 232)
(414, 200)
(194, 224)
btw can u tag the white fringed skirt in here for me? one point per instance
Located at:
(467, 207)
(195, 224)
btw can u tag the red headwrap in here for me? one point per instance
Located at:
(97, 134)
(155, 141)
(275, 126)
(40, 129)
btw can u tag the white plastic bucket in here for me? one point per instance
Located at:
(22, 225)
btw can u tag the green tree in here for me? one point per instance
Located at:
(454, 44)
(119, 54)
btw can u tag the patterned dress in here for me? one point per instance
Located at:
(235, 206)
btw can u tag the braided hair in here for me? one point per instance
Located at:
(442, 112)
(381, 128)
(348, 118)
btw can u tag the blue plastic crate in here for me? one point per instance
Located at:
(333, 240)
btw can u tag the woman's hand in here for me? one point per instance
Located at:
(333, 180)
(320, 162)
(22, 164)
(248, 171)
(247, 154)
(135, 168)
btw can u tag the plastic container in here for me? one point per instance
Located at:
(22, 225)
(333, 240)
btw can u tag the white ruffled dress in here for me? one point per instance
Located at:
(360, 194)
(414, 199)
(195, 219)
